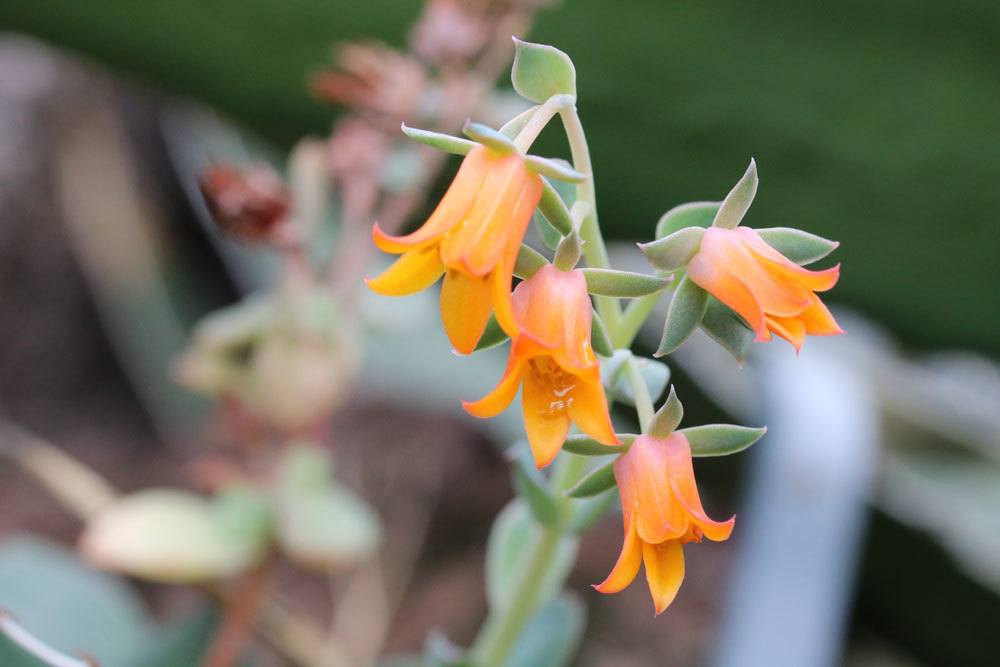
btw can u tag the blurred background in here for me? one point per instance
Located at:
(873, 123)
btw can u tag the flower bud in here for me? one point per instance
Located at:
(246, 204)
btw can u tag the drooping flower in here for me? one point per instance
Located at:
(662, 511)
(473, 238)
(768, 290)
(551, 355)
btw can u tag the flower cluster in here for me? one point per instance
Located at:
(754, 279)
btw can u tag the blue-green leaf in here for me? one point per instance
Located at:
(683, 317)
(737, 202)
(596, 481)
(721, 439)
(528, 262)
(693, 214)
(799, 246)
(667, 418)
(610, 282)
(727, 329)
(675, 250)
(541, 71)
(552, 636)
(444, 142)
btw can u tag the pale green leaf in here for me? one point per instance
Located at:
(541, 71)
(721, 439)
(799, 246)
(737, 202)
(683, 317)
(610, 282)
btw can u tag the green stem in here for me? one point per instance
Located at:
(643, 401)
(538, 119)
(633, 319)
(594, 249)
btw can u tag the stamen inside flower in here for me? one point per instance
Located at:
(556, 381)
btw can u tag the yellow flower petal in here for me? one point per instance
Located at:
(465, 309)
(664, 564)
(627, 566)
(414, 271)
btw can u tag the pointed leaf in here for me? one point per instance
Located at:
(799, 246)
(532, 487)
(552, 206)
(683, 317)
(674, 251)
(444, 142)
(584, 445)
(492, 336)
(737, 202)
(554, 168)
(489, 137)
(599, 338)
(541, 71)
(597, 481)
(727, 329)
(721, 439)
(667, 418)
(528, 262)
(694, 214)
(568, 252)
(609, 282)
(549, 235)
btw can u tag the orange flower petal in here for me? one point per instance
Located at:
(664, 571)
(545, 420)
(627, 566)
(792, 329)
(589, 409)
(643, 479)
(819, 321)
(449, 212)
(685, 489)
(478, 243)
(465, 309)
(730, 290)
(414, 271)
(497, 400)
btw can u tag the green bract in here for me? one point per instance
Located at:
(727, 329)
(597, 481)
(610, 282)
(492, 336)
(799, 246)
(694, 214)
(683, 316)
(721, 439)
(584, 445)
(552, 206)
(737, 202)
(599, 338)
(528, 262)
(674, 251)
(667, 417)
(554, 168)
(541, 71)
(444, 142)
(489, 137)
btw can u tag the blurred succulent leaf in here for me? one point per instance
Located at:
(528, 262)
(656, 375)
(554, 168)
(599, 338)
(493, 335)
(721, 439)
(489, 137)
(588, 511)
(173, 536)
(20, 648)
(513, 540)
(596, 481)
(674, 251)
(693, 214)
(611, 282)
(182, 642)
(444, 142)
(70, 606)
(683, 316)
(532, 486)
(737, 202)
(584, 445)
(541, 71)
(439, 651)
(549, 235)
(727, 329)
(305, 467)
(552, 636)
(667, 418)
(553, 207)
(799, 246)
(613, 369)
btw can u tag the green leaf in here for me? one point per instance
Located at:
(552, 636)
(444, 142)
(552, 206)
(667, 417)
(532, 486)
(541, 71)
(656, 375)
(721, 439)
(568, 252)
(20, 648)
(683, 317)
(513, 541)
(599, 338)
(489, 137)
(528, 262)
(493, 335)
(588, 511)
(737, 202)
(693, 214)
(727, 329)
(549, 235)
(70, 606)
(584, 445)
(799, 246)
(554, 168)
(596, 481)
(674, 251)
(173, 536)
(610, 282)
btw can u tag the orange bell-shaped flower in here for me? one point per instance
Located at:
(768, 290)
(473, 238)
(552, 356)
(662, 511)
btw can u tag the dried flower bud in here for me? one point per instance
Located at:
(247, 204)
(373, 78)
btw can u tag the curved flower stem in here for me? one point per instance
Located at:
(539, 118)
(643, 401)
(594, 249)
